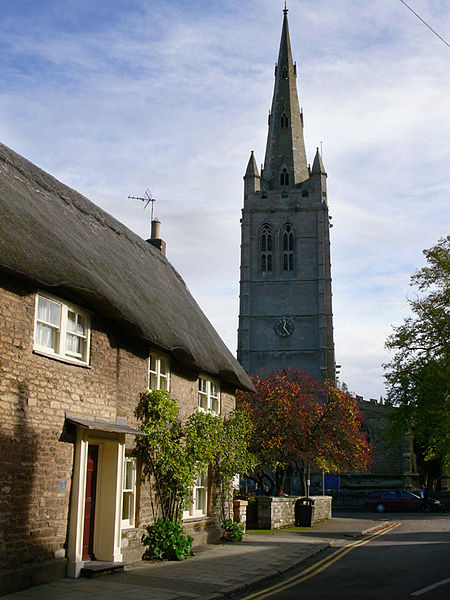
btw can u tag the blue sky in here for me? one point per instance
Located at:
(115, 97)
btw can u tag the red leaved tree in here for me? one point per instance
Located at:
(299, 421)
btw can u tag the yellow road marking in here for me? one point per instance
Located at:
(319, 566)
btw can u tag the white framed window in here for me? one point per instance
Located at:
(61, 329)
(129, 492)
(158, 372)
(197, 503)
(208, 395)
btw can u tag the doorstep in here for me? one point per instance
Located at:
(97, 568)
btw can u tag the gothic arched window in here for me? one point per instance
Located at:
(266, 245)
(288, 244)
(284, 120)
(284, 177)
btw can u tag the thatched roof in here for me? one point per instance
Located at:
(57, 238)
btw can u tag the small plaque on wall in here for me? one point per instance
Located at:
(62, 486)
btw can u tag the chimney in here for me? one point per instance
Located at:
(155, 240)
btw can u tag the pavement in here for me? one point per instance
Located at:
(215, 572)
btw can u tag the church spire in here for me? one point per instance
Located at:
(251, 177)
(285, 161)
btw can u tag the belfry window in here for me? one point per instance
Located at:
(288, 249)
(284, 177)
(284, 120)
(266, 249)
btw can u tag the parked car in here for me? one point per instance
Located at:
(382, 500)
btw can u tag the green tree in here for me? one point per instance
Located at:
(418, 375)
(300, 421)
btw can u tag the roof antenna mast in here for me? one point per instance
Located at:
(148, 197)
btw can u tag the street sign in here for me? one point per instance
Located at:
(331, 481)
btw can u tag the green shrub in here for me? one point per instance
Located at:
(232, 532)
(166, 541)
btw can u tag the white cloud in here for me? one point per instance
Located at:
(174, 96)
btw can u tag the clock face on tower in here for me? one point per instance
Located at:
(283, 327)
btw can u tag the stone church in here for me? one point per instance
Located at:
(285, 316)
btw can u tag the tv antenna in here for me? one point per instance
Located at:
(148, 197)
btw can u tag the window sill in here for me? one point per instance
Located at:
(194, 519)
(62, 359)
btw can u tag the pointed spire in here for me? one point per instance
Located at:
(285, 146)
(318, 164)
(252, 167)
(251, 178)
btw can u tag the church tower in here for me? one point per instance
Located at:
(285, 316)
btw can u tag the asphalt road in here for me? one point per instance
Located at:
(410, 561)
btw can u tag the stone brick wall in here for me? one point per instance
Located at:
(36, 453)
(322, 508)
(240, 511)
(279, 512)
(37, 450)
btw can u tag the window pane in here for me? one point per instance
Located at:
(199, 503)
(46, 336)
(162, 383)
(215, 405)
(81, 326)
(71, 343)
(54, 313)
(48, 311)
(76, 322)
(163, 366)
(71, 321)
(128, 475)
(202, 401)
(153, 381)
(126, 506)
(152, 363)
(75, 345)
(42, 309)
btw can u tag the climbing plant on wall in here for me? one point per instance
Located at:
(174, 454)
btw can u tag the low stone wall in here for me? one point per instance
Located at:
(322, 508)
(279, 512)
(240, 511)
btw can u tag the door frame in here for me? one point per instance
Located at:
(108, 504)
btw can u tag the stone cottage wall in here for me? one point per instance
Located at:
(37, 449)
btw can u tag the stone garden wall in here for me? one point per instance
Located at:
(279, 512)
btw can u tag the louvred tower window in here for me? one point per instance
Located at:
(266, 249)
